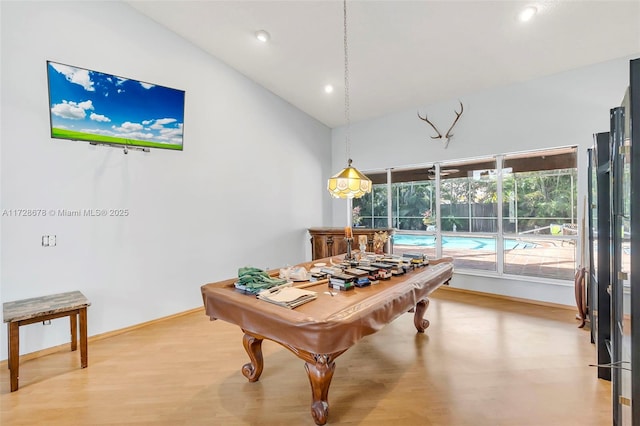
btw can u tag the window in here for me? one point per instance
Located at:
(508, 214)
(540, 214)
(413, 199)
(370, 211)
(469, 214)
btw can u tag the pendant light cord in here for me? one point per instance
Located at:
(346, 86)
(349, 183)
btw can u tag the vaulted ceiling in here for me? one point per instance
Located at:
(402, 54)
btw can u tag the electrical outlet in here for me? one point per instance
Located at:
(49, 241)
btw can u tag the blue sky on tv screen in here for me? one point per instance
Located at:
(97, 103)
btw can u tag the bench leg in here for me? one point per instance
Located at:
(9, 346)
(14, 354)
(73, 320)
(84, 356)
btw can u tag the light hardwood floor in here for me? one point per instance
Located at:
(483, 362)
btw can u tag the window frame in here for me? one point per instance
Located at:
(497, 163)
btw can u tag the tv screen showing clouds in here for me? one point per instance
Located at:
(93, 106)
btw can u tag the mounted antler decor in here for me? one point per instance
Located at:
(448, 135)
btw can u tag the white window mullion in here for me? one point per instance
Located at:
(389, 211)
(438, 218)
(500, 236)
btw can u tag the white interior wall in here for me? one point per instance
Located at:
(248, 184)
(559, 110)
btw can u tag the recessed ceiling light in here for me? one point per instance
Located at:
(527, 13)
(263, 36)
(328, 88)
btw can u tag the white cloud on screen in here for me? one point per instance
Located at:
(127, 135)
(128, 127)
(72, 110)
(136, 135)
(167, 133)
(159, 123)
(99, 117)
(75, 75)
(147, 85)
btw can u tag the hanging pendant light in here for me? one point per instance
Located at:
(349, 183)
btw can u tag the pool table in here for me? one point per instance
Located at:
(321, 330)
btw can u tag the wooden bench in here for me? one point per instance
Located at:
(72, 304)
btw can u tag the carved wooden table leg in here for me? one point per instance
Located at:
(418, 319)
(320, 368)
(320, 374)
(253, 346)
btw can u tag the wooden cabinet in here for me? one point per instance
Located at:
(327, 242)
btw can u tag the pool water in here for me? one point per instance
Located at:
(468, 243)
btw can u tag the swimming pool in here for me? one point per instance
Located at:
(463, 243)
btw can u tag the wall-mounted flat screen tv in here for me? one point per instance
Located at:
(101, 108)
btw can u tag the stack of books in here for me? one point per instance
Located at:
(416, 259)
(341, 281)
(385, 269)
(288, 297)
(361, 278)
(330, 270)
(399, 264)
(373, 274)
(318, 276)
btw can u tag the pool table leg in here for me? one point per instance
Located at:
(320, 368)
(320, 374)
(420, 322)
(253, 346)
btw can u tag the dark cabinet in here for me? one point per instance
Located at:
(599, 299)
(327, 242)
(614, 288)
(634, 278)
(620, 288)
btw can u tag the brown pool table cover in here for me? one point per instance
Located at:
(328, 324)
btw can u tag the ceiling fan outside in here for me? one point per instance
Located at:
(443, 172)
